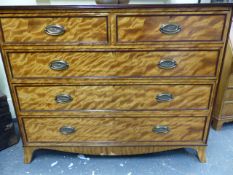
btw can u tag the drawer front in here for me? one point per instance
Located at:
(114, 129)
(227, 109)
(230, 83)
(83, 30)
(157, 28)
(122, 64)
(117, 97)
(228, 95)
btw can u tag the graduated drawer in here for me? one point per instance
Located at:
(175, 27)
(83, 30)
(160, 129)
(116, 97)
(120, 64)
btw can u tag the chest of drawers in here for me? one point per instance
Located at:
(114, 80)
(223, 112)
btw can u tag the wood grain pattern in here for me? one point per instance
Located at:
(128, 97)
(201, 153)
(228, 95)
(28, 154)
(111, 150)
(124, 64)
(114, 129)
(146, 28)
(115, 81)
(80, 30)
(126, 52)
(227, 109)
(217, 124)
(223, 103)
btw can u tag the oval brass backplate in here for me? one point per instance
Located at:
(161, 129)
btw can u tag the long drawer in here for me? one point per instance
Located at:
(118, 64)
(116, 97)
(175, 27)
(161, 129)
(82, 30)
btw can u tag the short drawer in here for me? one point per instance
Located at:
(174, 27)
(112, 98)
(82, 30)
(160, 129)
(120, 64)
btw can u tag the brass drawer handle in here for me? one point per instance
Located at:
(164, 97)
(167, 64)
(66, 130)
(63, 98)
(161, 129)
(59, 65)
(54, 30)
(170, 28)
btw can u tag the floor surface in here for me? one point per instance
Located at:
(178, 162)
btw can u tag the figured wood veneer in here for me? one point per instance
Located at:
(113, 150)
(127, 97)
(113, 76)
(81, 30)
(146, 28)
(124, 64)
(114, 129)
